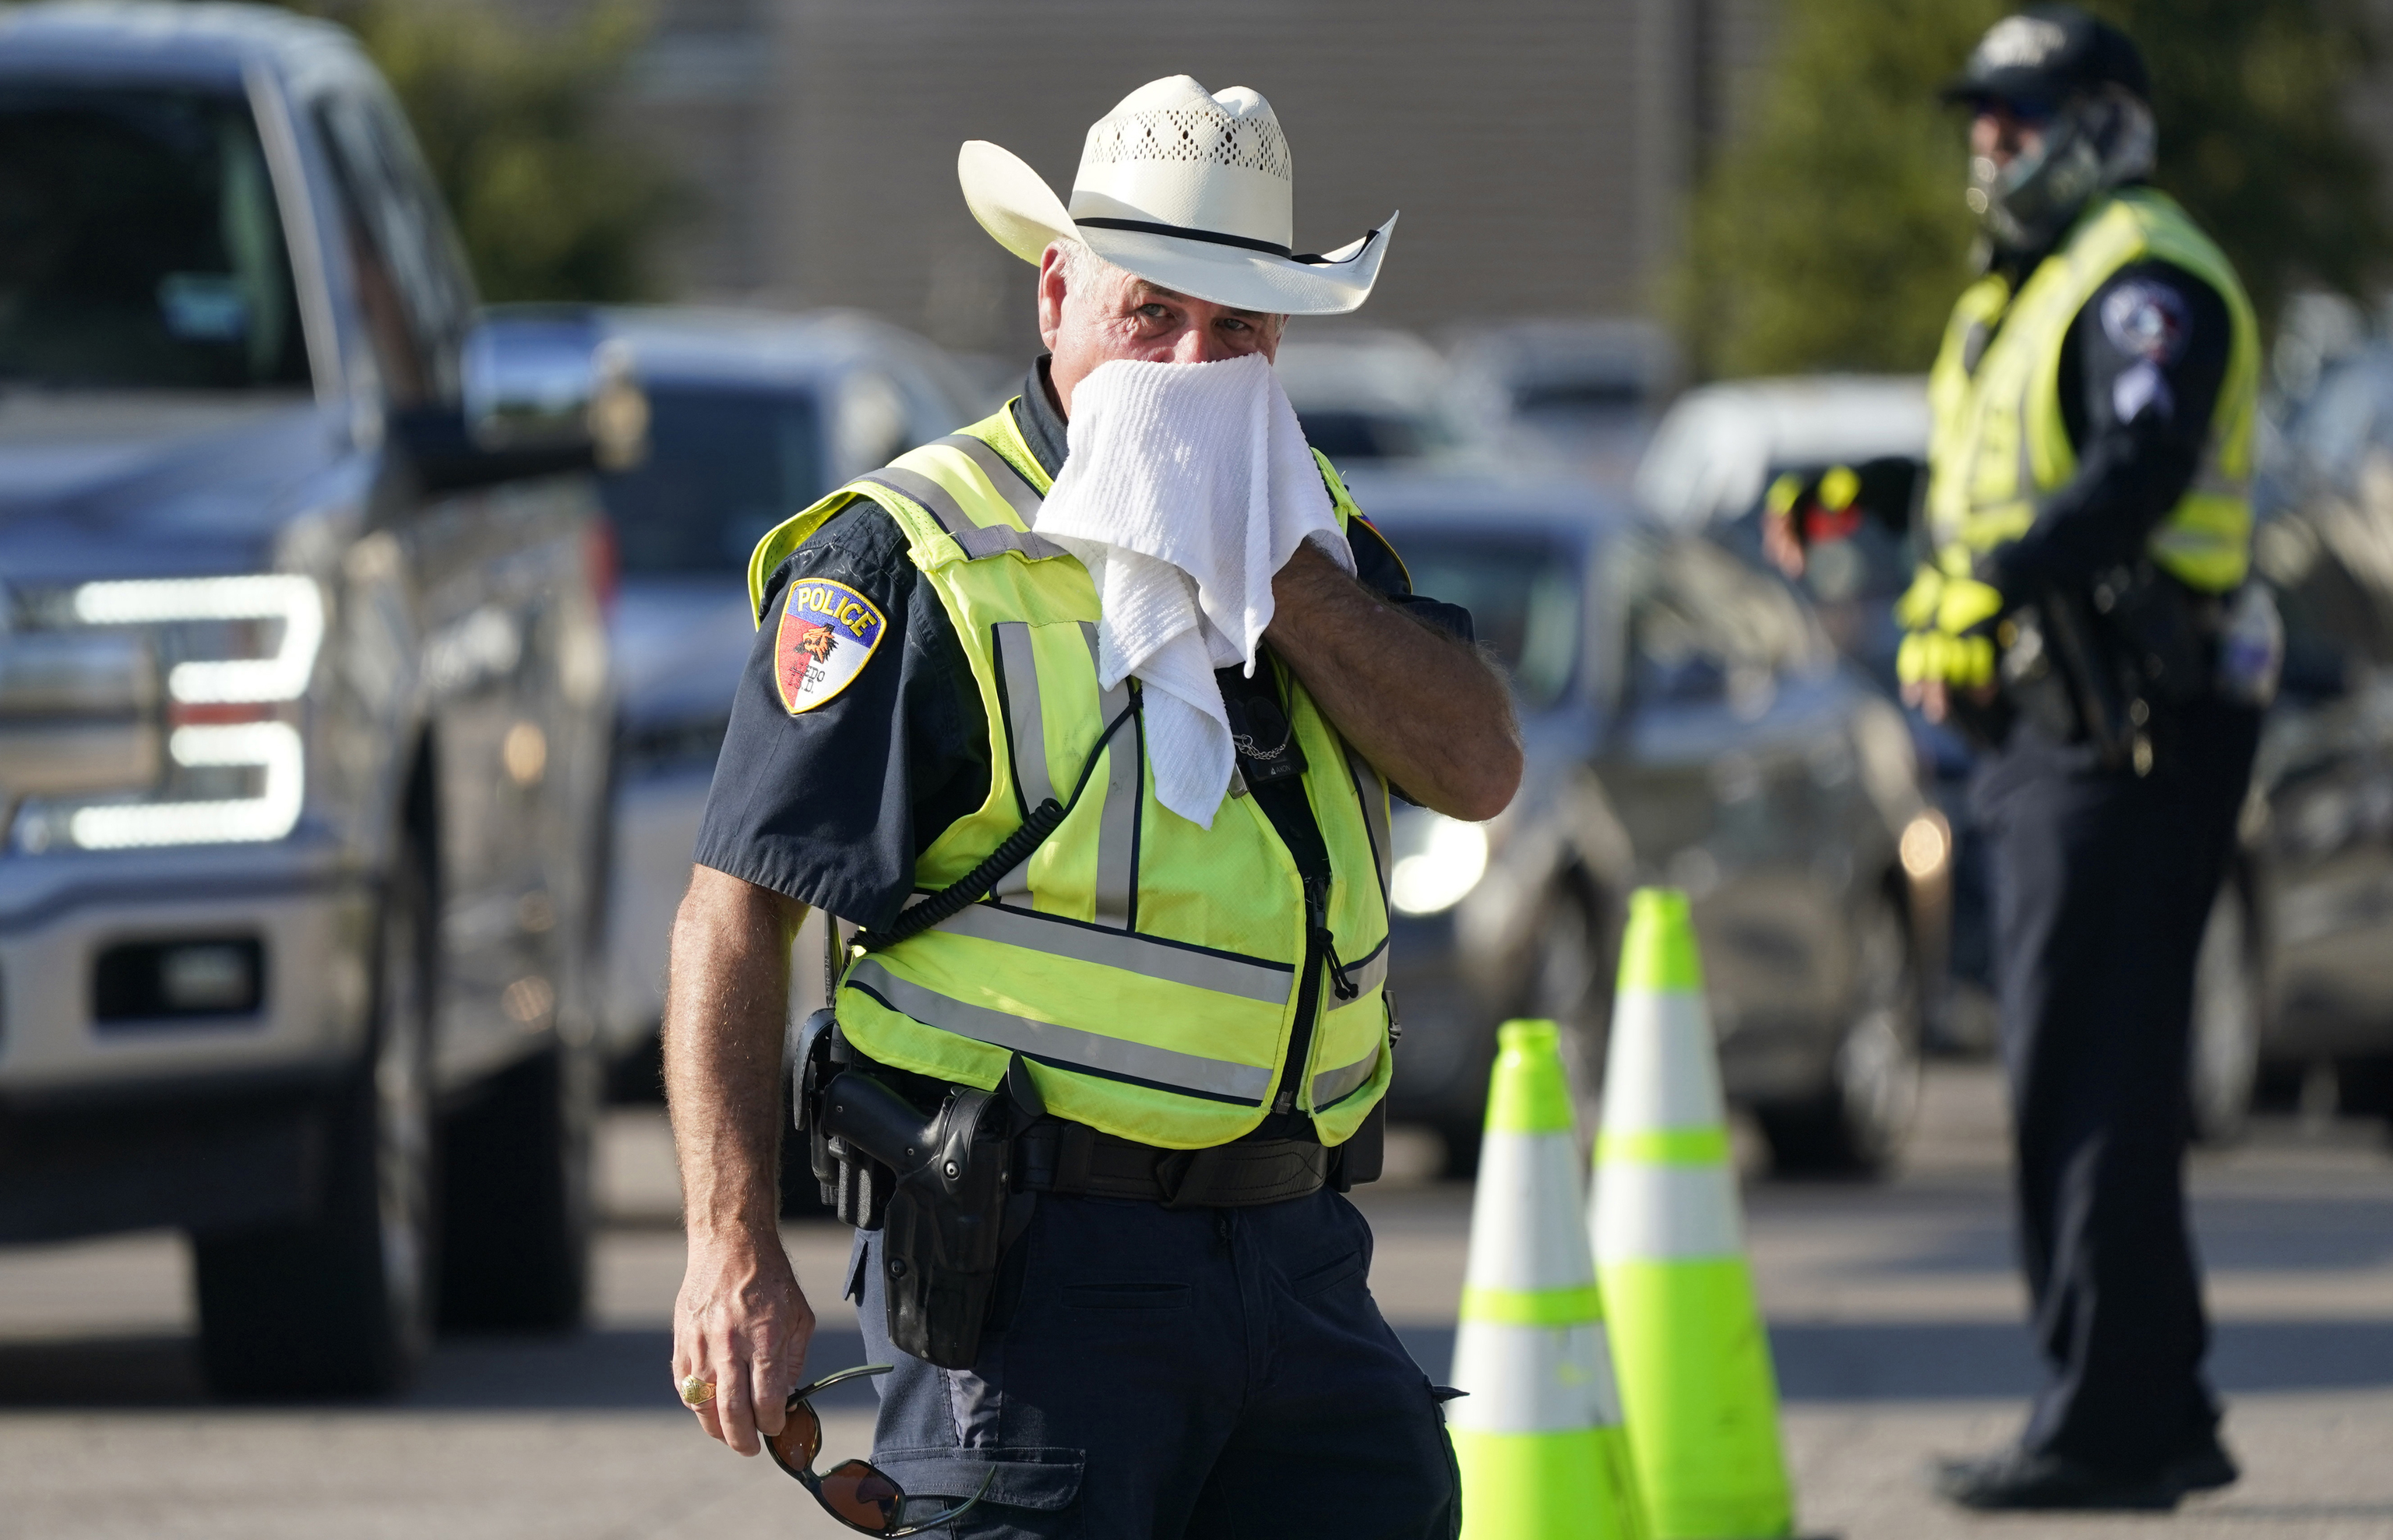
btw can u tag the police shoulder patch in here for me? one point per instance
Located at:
(829, 631)
(2146, 321)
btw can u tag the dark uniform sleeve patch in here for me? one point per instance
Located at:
(2146, 321)
(829, 631)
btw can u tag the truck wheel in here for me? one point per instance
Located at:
(2224, 1063)
(516, 1205)
(1566, 971)
(341, 1304)
(1856, 1124)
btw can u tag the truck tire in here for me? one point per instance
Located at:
(515, 1219)
(2223, 1061)
(1856, 1125)
(341, 1304)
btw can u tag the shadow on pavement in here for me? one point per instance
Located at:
(1930, 1361)
(622, 1370)
(626, 1370)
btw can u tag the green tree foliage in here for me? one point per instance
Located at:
(550, 202)
(1833, 235)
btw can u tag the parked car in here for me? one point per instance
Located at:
(1576, 394)
(2313, 894)
(1685, 723)
(1365, 395)
(1710, 466)
(752, 416)
(304, 689)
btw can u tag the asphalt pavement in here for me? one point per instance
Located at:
(1893, 1311)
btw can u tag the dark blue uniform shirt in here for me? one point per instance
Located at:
(831, 805)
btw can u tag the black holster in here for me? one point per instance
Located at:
(937, 1185)
(854, 1185)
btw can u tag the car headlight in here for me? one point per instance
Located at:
(1438, 861)
(238, 654)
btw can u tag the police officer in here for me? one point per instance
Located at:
(1173, 1036)
(2087, 509)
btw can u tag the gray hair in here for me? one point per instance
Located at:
(1083, 267)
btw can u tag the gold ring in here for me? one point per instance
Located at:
(696, 1392)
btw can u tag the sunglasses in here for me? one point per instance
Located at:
(854, 1491)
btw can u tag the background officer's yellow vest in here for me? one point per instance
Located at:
(1999, 440)
(1147, 969)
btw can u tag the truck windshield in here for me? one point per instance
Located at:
(724, 467)
(1523, 597)
(140, 246)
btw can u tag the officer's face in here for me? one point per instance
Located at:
(2002, 131)
(1113, 315)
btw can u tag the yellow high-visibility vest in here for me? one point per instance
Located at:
(1146, 970)
(1999, 441)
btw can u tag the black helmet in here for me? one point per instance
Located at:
(2049, 54)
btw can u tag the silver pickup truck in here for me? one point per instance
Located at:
(304, 702)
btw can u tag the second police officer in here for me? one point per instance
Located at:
(2089, 526)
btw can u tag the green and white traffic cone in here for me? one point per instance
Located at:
(1695, 1378)
(1538, 1436)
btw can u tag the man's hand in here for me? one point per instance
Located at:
(742, 1321)
(1426, 710)
(1934, 697)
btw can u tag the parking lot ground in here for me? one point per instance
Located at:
(1893, 1311)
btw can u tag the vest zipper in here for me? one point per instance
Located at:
(1320, 956)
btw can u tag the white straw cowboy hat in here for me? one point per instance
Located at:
(1186, 188)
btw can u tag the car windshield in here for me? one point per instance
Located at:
(1524, 595)
(141, 245)
(724, 467)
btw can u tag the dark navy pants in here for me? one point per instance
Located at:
(1157, 1374)
(2103, 881)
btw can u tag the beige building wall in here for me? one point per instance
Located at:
(1540, 150)
(1537, 148)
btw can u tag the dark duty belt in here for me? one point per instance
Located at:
(1076, 1160)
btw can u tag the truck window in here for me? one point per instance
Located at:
(1526, 600)
(723, 468)
(140, 245)
(416, 299)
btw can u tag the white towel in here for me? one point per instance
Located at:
(1186, 487)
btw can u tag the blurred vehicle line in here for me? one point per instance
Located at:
(1571, 395)
(1365, 395)
(304, 689)
(752, 416)
(1687, 722)
(2315, 889)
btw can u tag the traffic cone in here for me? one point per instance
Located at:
(1695, 1380)
(1538, 1436)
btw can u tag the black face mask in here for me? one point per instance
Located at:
(2092, 142)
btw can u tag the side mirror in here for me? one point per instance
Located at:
(544, 390)
(550, 379)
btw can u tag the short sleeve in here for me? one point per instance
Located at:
(853, 744)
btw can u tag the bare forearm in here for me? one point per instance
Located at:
(724, 1012)
(1426, 710)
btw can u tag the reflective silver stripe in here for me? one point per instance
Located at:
(1331, 1084)
(978, 539)
(1025, 734)
(1026, 720)
(1374, 793)
(1368, 974)
(1118, 826)
(1007, 482)
(1064, 1045)
(1132, 954)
